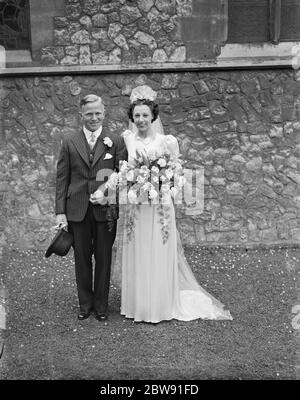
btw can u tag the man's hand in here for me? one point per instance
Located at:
(98, 197)
(61, 221)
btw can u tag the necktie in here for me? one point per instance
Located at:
(92, 140)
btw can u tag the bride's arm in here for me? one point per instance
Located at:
(127, 135)
(172, 145)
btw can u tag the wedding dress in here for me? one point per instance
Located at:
(157, 284)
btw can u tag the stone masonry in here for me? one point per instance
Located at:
(242, 127)
(136, 31)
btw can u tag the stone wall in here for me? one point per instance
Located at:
(137, 31)
(242, 126)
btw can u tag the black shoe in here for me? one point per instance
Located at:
(82, 315)
(101, 317)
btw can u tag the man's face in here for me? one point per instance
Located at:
(92, 115)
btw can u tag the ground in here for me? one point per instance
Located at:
(44, 340)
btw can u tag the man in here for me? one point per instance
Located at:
(82, 156)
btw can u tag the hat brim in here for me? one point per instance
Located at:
(50, 249)
(48, 252)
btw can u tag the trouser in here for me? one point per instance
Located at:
(92, 237)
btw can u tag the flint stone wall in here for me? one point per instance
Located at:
(242, 127)
(102, 32)
(136, 31)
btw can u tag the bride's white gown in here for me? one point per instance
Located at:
(157, 282)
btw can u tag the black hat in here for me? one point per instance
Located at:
(60, 244)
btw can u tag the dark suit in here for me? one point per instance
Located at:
(77, 169)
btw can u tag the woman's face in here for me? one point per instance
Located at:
(142, 117)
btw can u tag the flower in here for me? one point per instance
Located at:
(124, 166)
(142, 92)
(148, 181)
(169, 173)
(165, 188)
(132, 197)
(144, 170)
(107, 141)
(151, 155)
(147, 186)
(112, 181)
(153, 194)
(174, 191)
(141, 179)
(145, 180)
(130, 175)
(155, 169)
(162, 162)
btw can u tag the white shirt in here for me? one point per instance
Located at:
(88, 134)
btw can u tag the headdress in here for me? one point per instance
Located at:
(145, 92)
(142, 92)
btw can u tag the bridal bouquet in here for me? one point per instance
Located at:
(153, 178)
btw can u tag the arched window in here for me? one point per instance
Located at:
(14, 24)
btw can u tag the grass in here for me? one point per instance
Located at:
(44, 340)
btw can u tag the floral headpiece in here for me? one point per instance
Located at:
(143, 92)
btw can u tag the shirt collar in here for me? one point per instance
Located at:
(89, 133)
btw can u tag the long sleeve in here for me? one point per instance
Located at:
(172, 145)
(121, 153)
(62, 179)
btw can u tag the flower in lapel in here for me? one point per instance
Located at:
(107, 141)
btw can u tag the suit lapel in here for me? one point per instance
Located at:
(80, 144)
(100, 148)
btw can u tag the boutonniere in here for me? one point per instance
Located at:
(107, 141)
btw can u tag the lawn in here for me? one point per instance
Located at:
(44, 340)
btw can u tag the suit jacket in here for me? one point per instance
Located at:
(76, 173)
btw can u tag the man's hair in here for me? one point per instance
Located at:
(90, 98)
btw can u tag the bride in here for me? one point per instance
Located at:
(156, 281)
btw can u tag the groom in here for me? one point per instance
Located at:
(83, 154)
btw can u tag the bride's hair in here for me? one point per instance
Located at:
(151, 104)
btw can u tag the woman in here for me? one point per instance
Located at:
(157, 282)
